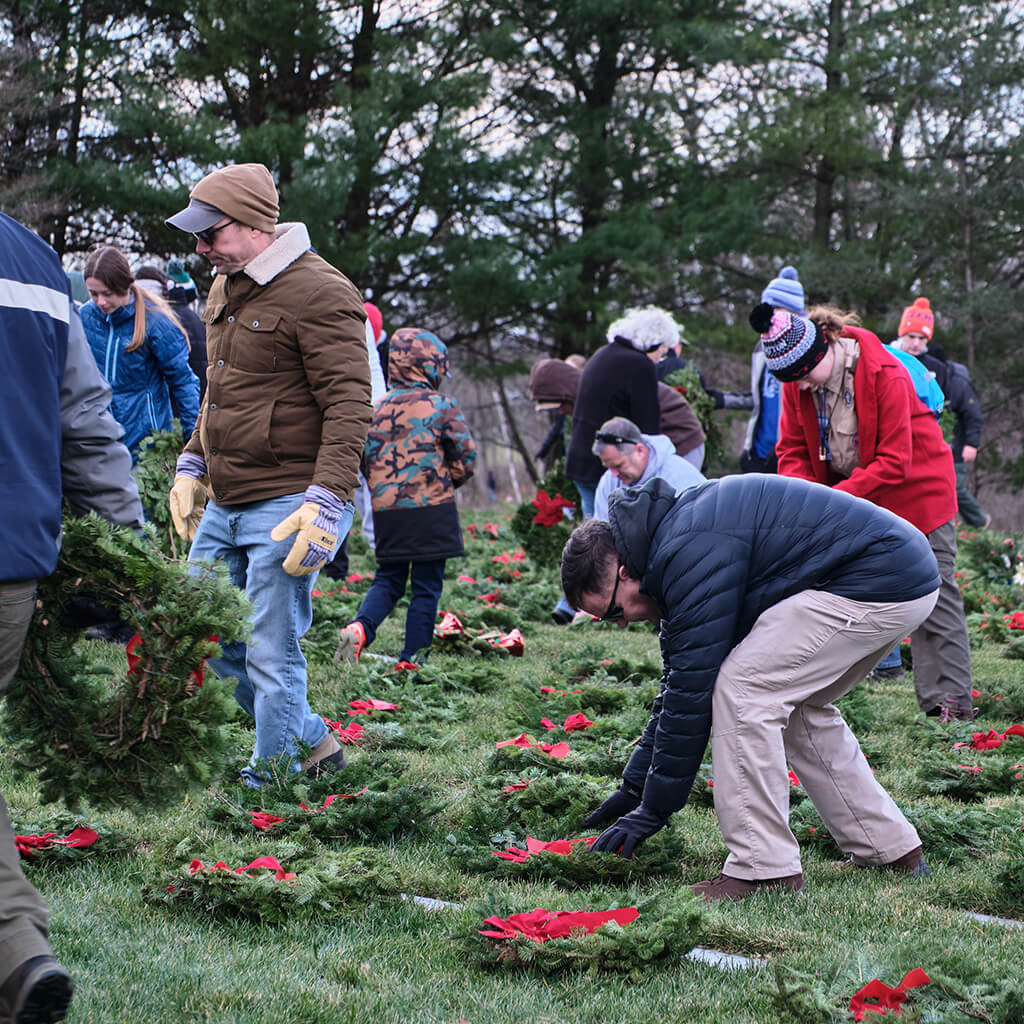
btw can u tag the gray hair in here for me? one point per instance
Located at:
(618, 432)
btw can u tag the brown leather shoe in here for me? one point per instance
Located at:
(950, 711)
(725, 887)
(325, 758)
(912, 863)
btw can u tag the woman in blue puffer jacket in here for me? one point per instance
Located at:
(140, 349)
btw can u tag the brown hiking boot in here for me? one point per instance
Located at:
(725, 887)
(325, 758)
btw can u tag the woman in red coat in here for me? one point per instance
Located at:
(851, 420)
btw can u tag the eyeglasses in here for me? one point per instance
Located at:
(209, 234)
(613, 611)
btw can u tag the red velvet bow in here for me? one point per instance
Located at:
(81, 836)
(887, 998)
(270, 863)
(559, 846)
(541, 925)
(549, 510)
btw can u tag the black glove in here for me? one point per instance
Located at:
(717, 398)
(625, 799)
(629, 832)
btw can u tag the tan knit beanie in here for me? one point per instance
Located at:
(245, 192)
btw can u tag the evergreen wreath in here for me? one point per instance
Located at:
(542, 543)
(666, 929)
(88, 725)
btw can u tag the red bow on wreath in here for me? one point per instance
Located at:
(549, 510)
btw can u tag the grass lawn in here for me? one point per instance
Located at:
(341, 941)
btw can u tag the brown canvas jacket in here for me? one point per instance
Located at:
(288, 385)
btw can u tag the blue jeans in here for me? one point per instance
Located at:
(587, 493)
(386, 590)
(271, 670)
(892, 660)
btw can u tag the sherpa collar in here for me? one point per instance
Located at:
(290, 242)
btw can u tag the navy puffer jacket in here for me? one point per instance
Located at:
(718, 556)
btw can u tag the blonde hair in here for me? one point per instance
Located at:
(110, 267)
(832, 320)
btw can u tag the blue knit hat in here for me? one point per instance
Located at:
(785, 291)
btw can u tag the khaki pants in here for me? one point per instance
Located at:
(773, 704)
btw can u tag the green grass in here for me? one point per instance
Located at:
(378, 959)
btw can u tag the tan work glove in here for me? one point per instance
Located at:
(316, 521)
(188, 495)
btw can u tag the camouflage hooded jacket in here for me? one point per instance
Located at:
(418, 451)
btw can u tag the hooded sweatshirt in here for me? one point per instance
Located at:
(662, 462)
(418, 451)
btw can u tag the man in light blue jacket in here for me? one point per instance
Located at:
(631, 458)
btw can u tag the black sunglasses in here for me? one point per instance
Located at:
(613, 611)
(605, 438)
(209, 234)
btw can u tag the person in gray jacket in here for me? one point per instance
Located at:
(774, 597)
(58, 442)
(631, 458)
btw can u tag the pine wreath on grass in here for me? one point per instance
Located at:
(665, 929)
(371, 800)
(88, 726)
(347, 878)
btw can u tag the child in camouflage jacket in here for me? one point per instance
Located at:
(419, 449)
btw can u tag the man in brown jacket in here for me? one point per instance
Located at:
(276, 445)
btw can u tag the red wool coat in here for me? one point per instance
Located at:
(905, 464)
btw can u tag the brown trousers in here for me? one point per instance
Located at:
(24, 917)
(773, 704)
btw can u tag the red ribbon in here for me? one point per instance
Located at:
(270, 863)
(81, 836)
(559, 846)
(887, 998)
(542, 925)
(549, 510)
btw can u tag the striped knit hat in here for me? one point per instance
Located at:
(793, 345)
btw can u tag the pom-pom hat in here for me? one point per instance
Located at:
(785, 291)
(917, 319)
(793, 345)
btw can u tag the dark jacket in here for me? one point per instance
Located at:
(57, 437)
(288, 386)
(418, 451)
(196, 331)
(718, 556)
(960, 397)
(617, 381)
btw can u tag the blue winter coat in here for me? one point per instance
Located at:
(144, 381)
(718, 556)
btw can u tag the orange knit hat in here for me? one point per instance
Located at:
(917, 319)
